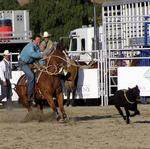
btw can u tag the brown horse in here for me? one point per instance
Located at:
(48, 84)
(70, 81)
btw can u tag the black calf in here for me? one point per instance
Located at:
(128, 100)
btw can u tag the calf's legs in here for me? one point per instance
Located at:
(127, 115)
(120, 112)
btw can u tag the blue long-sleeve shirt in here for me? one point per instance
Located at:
(30, 53)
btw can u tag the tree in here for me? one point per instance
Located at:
(9, 5)
(58, 17)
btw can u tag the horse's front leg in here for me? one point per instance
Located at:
(26, 104)
(52, 105)
(39, 105)
(60, 99)
(68, 97)
(73, 97)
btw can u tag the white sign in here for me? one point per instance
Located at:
(131, 76)
(87, 86)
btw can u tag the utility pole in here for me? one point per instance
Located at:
(95, 26)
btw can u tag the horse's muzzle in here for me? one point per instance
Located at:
(63, 71)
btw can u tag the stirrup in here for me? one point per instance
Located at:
(31, 103)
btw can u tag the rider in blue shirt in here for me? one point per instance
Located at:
(29, 54)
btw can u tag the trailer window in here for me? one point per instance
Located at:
(19, 17)
(82, 44)
(74, 45)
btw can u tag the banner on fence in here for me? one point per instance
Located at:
(131, 76)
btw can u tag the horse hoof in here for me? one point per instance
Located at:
(65, 116)
(58, 118)
(61, 120)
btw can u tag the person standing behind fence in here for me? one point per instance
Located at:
(46, 45)
(5, 76)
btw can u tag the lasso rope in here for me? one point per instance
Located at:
(80, 66)
(125, 95)
(45, 68)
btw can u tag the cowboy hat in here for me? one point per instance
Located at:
(46, 34)
(6, 52)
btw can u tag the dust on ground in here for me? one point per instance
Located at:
(87, 128)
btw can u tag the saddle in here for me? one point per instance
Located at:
(21, 87)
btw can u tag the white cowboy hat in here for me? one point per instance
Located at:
(46, 34)
(6, 52)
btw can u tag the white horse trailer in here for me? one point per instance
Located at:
(82, 42)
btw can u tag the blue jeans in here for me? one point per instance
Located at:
(30, 78)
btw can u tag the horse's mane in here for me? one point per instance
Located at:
(57, 49)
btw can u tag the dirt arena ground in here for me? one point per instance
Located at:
(88, 128)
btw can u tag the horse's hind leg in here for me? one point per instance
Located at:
(60, 100)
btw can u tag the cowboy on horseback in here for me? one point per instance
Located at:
(29, 54)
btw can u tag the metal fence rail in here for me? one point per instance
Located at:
(121, 36)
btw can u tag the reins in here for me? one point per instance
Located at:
(125, 95)
(80, 66)
(45, 68)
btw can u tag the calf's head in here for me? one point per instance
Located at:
(135, 91)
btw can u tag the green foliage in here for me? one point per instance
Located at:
(9, 5)
(58, 17)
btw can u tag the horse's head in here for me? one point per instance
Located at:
(57, 60)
